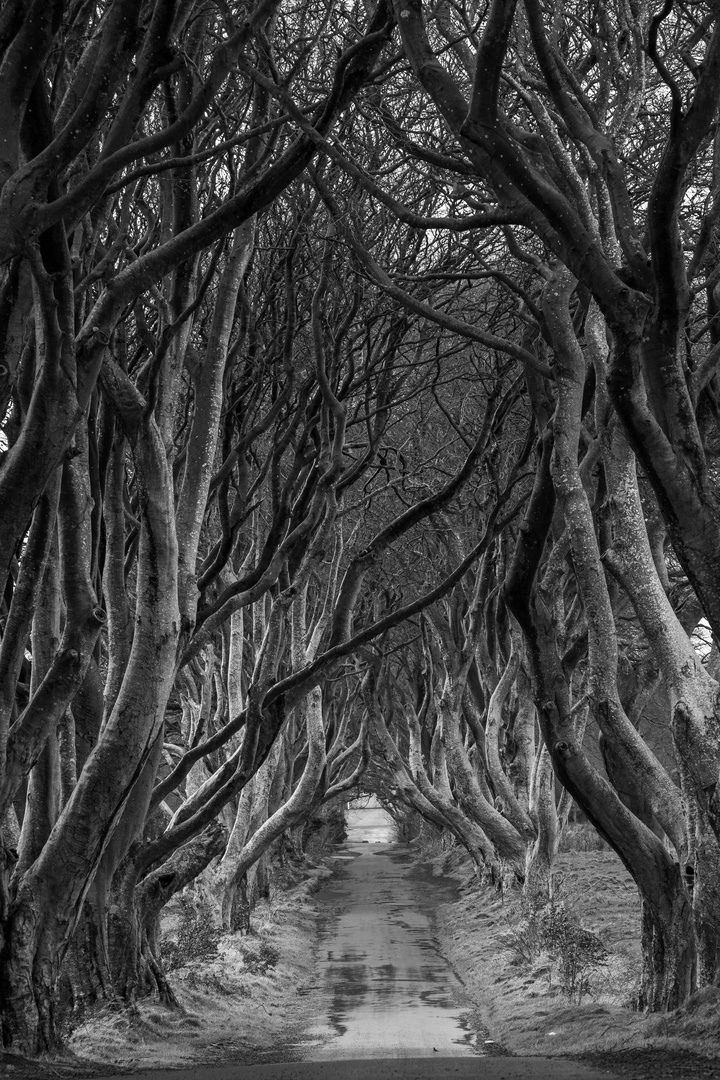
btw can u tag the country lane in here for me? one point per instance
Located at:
(386, 1004)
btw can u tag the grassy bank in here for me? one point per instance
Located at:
(534, 990)
(238, 1002)
(240, 999)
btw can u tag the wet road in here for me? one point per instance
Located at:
(386, 1001)
(473, 1068)
(383, 988)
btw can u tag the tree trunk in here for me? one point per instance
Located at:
(542, 852)
(134, 921)
(50, 894)
(226, 881)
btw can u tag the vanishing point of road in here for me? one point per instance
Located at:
(386, 1004)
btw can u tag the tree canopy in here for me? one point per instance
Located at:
(359, 427)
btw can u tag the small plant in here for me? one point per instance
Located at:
(524, 942)
(524, 934)
(197, 937)
(549, 926)
(578, 952)
(259, 961)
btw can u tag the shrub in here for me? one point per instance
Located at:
(581, 836)
(196, 937)
(259, 960)
(578, 952)
(523, 937)
(549, 926)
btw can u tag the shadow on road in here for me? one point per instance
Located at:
(472, 1068)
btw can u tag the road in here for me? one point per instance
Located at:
(384, 990)
(387, 1003)
(480, 1068)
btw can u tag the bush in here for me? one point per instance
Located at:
(549, 926)
(523, 937)
(196, 937)
(259, 961)
(578, 952)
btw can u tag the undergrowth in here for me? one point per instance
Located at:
(580, 836)
(261, 959)
(196, 937)
(549, 927)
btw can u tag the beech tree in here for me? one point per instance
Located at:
(358, 393)
(110, 109)
(544, 108)
(201, 487)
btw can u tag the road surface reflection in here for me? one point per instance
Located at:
(383, 989)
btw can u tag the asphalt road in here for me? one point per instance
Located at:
(384, 990)
(471, 1068)
(386, 1002)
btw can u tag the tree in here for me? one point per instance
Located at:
(544, 112)
(82, 135)
(285, 448)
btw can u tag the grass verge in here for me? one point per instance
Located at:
(516, 986)
(239, 1004)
